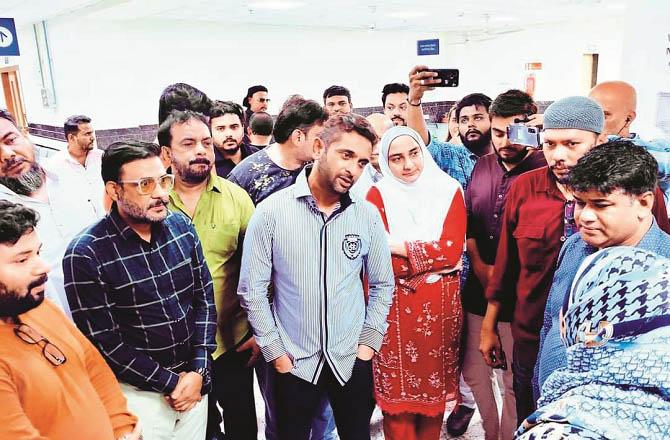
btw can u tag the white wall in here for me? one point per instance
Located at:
(115, 71)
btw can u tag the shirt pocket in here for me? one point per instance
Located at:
(531, 245)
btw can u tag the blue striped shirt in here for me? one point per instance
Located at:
(319, 314)
(148, 307)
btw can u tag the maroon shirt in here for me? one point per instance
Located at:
(485, 199)
(530, 240)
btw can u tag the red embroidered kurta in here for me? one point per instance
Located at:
(417, 368)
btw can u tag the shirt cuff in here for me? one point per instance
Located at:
(274, 350)
(170, 380)
(371, 337)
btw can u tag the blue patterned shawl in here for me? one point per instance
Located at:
(616, 325)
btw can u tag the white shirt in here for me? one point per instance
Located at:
(83, 183)
(369, 177)
(59, 221)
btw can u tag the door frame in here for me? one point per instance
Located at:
(15, 103)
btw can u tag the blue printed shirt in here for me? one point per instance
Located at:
(455, 160)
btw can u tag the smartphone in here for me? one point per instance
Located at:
(500, 363)
(449, 77)
(520, 134)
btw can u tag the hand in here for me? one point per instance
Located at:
(283, 364)
(187, 392)
(365, 353)
(135, 435)
(419, 82)
(535, 120)
(250, 344)
(490, 347)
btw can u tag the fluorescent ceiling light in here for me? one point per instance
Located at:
(407, 14)
(276, 5)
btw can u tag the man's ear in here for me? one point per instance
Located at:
(319, 148)
(296, 136)
(646, 202)
(112, 190)
(601, 138)
(166, 157)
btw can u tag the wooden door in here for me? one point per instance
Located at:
(11, 86)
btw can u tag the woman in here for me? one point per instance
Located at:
(417, 370)
(616, 324)
(453, 135)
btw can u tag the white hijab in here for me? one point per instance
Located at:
(415, 211)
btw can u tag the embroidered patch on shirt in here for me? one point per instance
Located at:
(351, 246)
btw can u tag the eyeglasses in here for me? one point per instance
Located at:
(29, 335)
(569, 223)
(147, 185)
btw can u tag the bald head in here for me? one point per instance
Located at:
(380, 123)
(619, 101)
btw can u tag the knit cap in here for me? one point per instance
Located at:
(577, 112)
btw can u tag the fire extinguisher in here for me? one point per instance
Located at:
(530, 83)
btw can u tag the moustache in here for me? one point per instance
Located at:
(38, 282)
(473, 131)
(200, 160)
(159, 203)
(11, 163)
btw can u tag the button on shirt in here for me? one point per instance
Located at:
(220, 219)
(319, 313)
(82, 183)
(552, 354)
(59, 222)
(530, 241)
(485, 199)
(147, 306)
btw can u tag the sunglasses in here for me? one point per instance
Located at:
(569, 223)
(147, 185)
(30, 336)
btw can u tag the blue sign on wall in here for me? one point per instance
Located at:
(9, 41)
(428, 47)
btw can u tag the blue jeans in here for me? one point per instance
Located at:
(323, 425)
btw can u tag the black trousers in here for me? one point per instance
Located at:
(523, 368)
(298, 401)
(234, 392)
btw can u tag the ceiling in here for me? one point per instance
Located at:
(457, 16)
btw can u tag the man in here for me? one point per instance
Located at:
(619, 102)
(24, 181)
(219, 211)
(394, 102)
(337, 100)
(296, 131)
(256, 100)
(140, 290)
(78, 168)
(485, 198)
(181, 96)
(372, 173)
(226, 122)
(614, 187)
(43, 395)
(260, 130)
(320, 335)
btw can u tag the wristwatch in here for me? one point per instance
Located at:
(414, 105)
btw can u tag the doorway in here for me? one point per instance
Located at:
(11, 86)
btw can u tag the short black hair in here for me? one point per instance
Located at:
(476, 99)
(300, 114)
(4, 114)
(16, 220)
(71, 125)
(164, 134)
(220, 108)
(393, 88)
(250, 92)
(261, 123)
(120, 153)
(182, 96)
(339, 124)
(336, 91)
(511, 103)
(615, 165)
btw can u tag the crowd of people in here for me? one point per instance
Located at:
(345, 262)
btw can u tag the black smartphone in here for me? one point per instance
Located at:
(449, 77)
(502, 362)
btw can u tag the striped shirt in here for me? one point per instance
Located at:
(147, 306)
(319, 313)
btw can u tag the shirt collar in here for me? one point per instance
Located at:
(301, 188)
(653, 236)
(124, 230)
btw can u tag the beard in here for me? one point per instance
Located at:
(14, 303)
(27, 183)
(476, 145)
(192, 174)
(140, 215)
(517, 158)
(230, 150)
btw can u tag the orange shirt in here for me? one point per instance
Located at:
(79, 399)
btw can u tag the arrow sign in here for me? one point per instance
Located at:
(9, 43)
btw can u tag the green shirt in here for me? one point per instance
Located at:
(220, 219)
